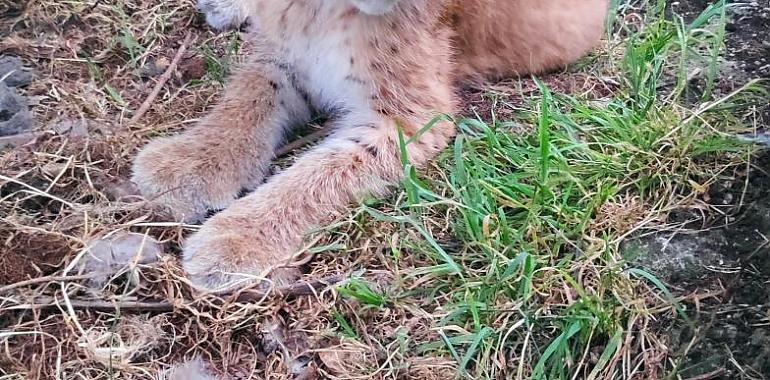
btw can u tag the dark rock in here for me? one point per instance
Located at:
(680, 258)
(110, 255)
(153, 68)
(14, 114)
(13, 73)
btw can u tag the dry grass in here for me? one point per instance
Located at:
(98, 61)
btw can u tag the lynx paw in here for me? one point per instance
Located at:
(175, 175)
(230, 251)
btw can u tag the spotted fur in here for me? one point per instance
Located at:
(373, 67)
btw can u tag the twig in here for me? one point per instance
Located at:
(43, 279)
(36, 191)
(299, 143)
(161, 81)
(710, 375)
(94, 5)
(298, 289)
(20, 139)
(101, 305)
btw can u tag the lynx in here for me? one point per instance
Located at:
(374, 68)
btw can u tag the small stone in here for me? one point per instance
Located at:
(71, 128)
(15, 117)
(154, 68)
(192, 68)
(109, 255)
(13, 73)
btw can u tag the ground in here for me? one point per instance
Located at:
(606, 222)
(729, 254)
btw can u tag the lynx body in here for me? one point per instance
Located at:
(373, 67)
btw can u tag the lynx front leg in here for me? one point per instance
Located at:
(262, 230)
(207, 166)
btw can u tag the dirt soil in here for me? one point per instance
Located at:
(723, 272)
(722, 266)
(31, 255)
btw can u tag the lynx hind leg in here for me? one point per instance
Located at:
(206, 167)
(524, 37)
(262, 230)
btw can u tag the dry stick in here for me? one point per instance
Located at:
(301, 288)
(710, 375)
(162, 81)
(297, 289)
(40, 280)
(100, 305)
(300, 142)
(19, 139)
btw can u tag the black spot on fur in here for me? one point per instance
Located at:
(354, 79)
(372, 151)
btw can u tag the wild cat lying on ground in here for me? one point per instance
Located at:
(373, 67)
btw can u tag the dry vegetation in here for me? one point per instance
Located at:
(470, 270)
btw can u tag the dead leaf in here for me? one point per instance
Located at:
(192, 67)
(345, 359)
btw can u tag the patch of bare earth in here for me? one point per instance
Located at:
(724, 258)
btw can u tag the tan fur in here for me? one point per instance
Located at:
(498, 38)
(373, 66)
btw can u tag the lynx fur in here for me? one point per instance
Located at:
(373, 67)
